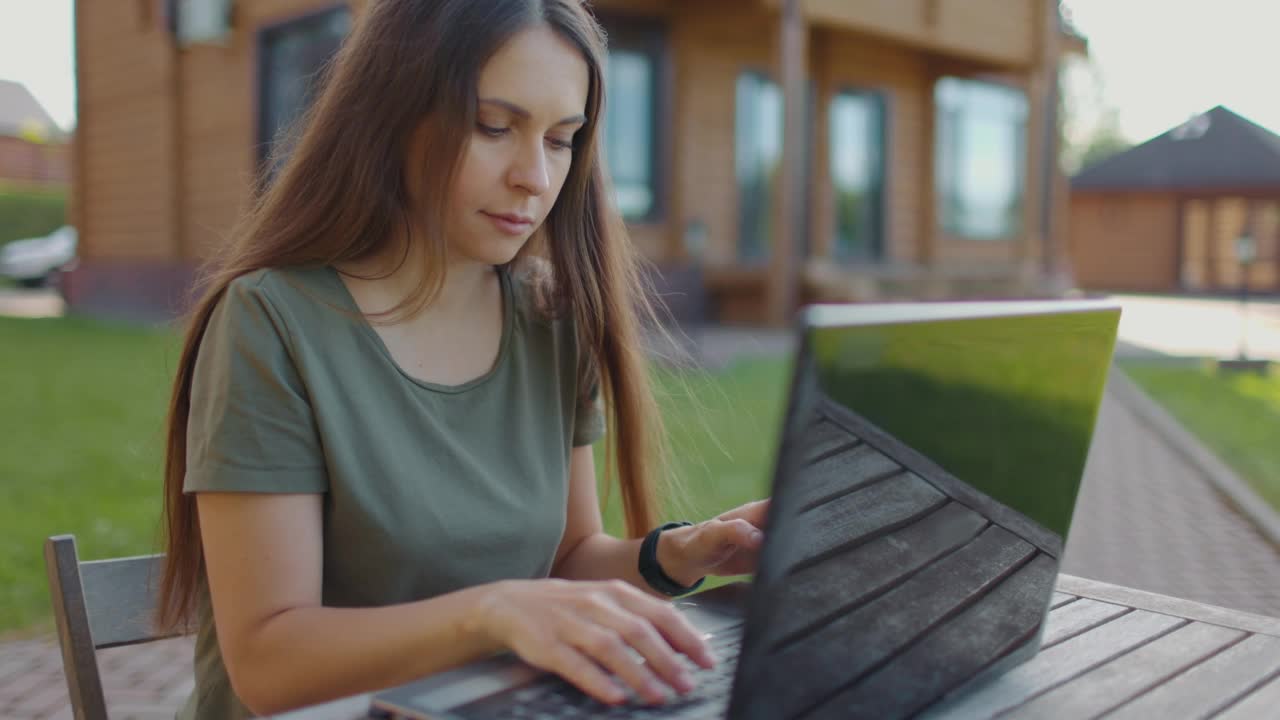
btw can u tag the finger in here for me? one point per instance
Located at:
(753, 512)
(745, 534)
(641, 635)
(731, 534)
(606, 647)
(576, 668)
(670, 623)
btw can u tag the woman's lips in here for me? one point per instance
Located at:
(510, 224)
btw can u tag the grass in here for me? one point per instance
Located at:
(1237, 415)
(83, 405)
(722, 430)
(81, 448)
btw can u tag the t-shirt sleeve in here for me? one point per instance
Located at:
(589, 421)
(251, 426)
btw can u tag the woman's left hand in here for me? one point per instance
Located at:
(726, 545)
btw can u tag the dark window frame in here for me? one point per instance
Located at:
(880, 243)
(647, 36)
(263, 36)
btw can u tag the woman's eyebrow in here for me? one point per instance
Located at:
(525, 114)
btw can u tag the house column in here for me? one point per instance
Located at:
(784, 265)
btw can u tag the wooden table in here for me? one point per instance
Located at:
(1107, 650)
(1110, 650)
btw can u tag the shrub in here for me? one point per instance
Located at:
(30, 212)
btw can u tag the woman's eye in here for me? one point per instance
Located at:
(560, 144)
(491, 131)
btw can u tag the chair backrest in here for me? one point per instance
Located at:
(98, 604)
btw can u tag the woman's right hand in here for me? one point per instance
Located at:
(576, 628)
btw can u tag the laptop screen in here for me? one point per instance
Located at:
(930, 463)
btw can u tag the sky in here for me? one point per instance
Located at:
(37, 50)
(1154, 62)
(1159, 62)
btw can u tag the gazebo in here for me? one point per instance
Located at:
(1176, 212)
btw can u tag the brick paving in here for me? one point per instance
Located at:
(1150, 520)
(144, 682)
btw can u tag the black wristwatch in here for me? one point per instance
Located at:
(652, 572)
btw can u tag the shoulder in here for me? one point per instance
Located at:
(541, 310)
(260, 312)
(282, 286)
(531, 288)
(280, 297)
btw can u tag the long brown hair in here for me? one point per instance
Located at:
(410, 69)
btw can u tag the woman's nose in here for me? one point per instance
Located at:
(529, 171)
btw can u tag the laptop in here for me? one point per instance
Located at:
(927, 468)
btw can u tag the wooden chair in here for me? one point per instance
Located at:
(98, 604)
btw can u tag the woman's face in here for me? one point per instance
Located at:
(532, 100)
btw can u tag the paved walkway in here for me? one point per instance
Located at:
(1150, 520)
(16, 302)
(144, 682)
(1201, 327)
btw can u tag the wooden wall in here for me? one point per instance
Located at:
(1124, 241)
(23, 161)
(169, 135)
(1167, 242)
(126, 70)
(997, 31)
(847, 61)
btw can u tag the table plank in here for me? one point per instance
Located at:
(1001, 624)
(1131, 674)
(854, 518)
(815, 594)
(1211, 685)
(1257, 704)
(1189, 609)
(1058, 664)
(841, 474)
(824, 438)
(1077, 618)
(355, 707)
(818, 665)
(1060, 599)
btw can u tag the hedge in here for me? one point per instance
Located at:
(28, 213)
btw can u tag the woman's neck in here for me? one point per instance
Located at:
(390, 281)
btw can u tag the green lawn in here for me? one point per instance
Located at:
(1237, 416)
(80, 449)
(722, 429)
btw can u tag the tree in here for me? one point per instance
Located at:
(1105, 141)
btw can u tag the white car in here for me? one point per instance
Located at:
(34, 262)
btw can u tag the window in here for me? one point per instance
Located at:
(857, 174)
(981, 158)
(631, 120)
(757, 161)
(290, 57)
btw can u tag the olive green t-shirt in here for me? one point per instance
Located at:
(427, 488)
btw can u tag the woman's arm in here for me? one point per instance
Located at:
(588, 553)
(281, 648)
(725, 545)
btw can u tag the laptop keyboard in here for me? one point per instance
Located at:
(556, 699)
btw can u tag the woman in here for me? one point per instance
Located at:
(379, 458)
